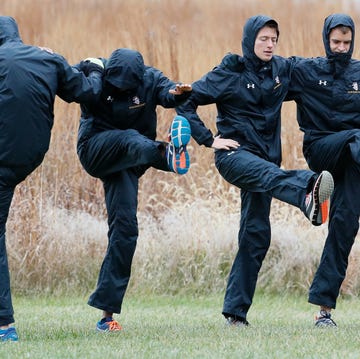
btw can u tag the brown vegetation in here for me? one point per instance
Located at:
(57, 225)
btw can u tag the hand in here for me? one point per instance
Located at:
(95, 60)
(91, 64)
(180, 89)
(224, 143)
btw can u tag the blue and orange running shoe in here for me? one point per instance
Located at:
(108, 325)
(8, 335)
(177, 156)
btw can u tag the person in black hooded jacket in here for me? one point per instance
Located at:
(30, 77)
(117, 143)
(327, 93)
(248, 92)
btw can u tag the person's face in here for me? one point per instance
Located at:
(265, 43)
(339, 42)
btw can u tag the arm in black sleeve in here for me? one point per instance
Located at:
(75, 86)
(201, 134)
(205, 91)
(163, 85)
(296, 82)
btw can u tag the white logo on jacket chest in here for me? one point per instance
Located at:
(323, 83)
(277, 82)
(136, 100)
(250, 86)
(354, 88)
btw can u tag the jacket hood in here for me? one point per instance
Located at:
(8, 30)
(331, 22)
(125, 69)
(250, 31)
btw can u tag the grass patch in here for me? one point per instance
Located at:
(181, 327)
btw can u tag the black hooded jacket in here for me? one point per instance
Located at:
(327, 89)
(29, 80)
(131, 93)
(248, 94)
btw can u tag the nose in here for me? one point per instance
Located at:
(342, 47)
(269, 43)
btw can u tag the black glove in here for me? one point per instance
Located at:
(233, 62)
(91, 64)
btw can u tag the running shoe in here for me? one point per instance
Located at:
(236, 322)
(108, 325)
(9, 334)
(323, 319)
(177, 156)
(317, 201)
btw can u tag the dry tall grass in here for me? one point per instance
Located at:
(188, 237)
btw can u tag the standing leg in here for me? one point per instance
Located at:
(254, 242)
(121, 201)
(6, 308)
(339, 153)
(343, 227)
(9, 178)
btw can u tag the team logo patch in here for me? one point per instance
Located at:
(354, 88)
(277, 82)
(136, 100)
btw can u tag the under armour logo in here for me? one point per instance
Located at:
(355, 86)
(277, 80)
(250, 86)
(322, 82)
(110, 99)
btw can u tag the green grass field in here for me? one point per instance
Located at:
(182, 327)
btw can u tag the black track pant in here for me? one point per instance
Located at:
(259, 180)
(119, 157)
(338, 153)
(9, 178)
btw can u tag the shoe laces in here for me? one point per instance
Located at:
(114, 326)
(323, 318)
